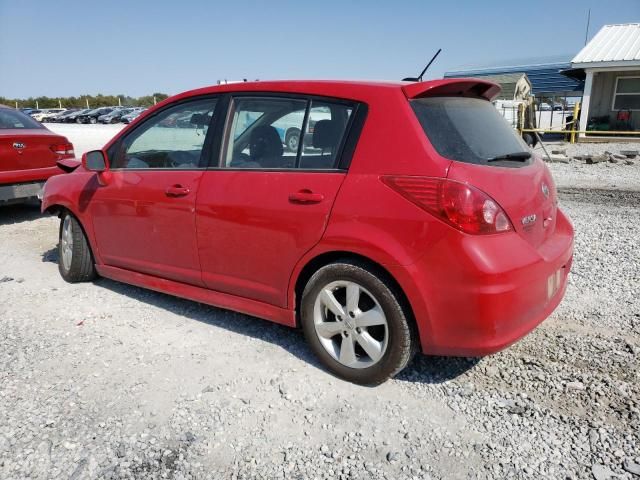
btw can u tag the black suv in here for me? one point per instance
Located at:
(92, 116)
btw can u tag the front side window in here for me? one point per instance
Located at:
(283, 133)
(627, 95)
(174, 138)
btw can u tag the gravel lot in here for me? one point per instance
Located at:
(109, 381)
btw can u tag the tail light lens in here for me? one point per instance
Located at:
(460, 205)
(63, 149)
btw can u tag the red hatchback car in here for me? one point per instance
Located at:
(413, 218)
(28, 155)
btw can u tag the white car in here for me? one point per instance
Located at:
(47, 113)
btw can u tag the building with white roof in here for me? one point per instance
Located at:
(611, 66)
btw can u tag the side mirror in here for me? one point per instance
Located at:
(94, 161)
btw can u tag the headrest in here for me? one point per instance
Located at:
(265, 142)
(326, 134)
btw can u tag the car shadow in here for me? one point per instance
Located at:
(19, 212)
(423, 369)
(434, 370)
(51, 255)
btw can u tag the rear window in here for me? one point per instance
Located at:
(10, 118)
(466, 129)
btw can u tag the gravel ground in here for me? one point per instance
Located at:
(606, 175)
(109, 381)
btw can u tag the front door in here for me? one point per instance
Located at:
(144, 217)
(267, 204)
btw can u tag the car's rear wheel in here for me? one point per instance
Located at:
(93, 120)
(75, 260)
(356, 324)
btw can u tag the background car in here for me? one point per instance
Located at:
(92, 115)
(289, 128)
(60, 118)
(73, 117)
(129, 117)
(28, 154)
(45, 114)
(391, 236)
(114, 116)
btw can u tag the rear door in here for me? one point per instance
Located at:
(488, 154)
(264, 206)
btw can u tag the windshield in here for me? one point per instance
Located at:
(10, 118)
(467, 129)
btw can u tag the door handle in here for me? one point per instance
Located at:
(176, 191)
(305, 197)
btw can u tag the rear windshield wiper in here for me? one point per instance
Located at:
(518, 156)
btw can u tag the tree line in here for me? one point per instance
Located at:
(94, 101)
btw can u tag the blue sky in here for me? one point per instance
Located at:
(137, 47)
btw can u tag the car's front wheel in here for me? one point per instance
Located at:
(356, 324)
(93, 120)
(75, 260)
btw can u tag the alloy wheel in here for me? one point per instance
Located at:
(66, 240)
(350, 324)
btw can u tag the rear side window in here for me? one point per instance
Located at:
(466, 129)
(286, 133)
(15, 119)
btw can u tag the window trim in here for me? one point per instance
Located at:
(206, 152)
(349, 137)
(615, 94)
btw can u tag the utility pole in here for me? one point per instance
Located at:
(119, 102)
(16, 105)
(87, 100)
(154, 100)
(37, 107)
(586, 34)
(59, 103)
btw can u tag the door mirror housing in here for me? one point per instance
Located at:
(95, 161)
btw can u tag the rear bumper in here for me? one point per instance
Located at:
(21, 191)
(476, 295)
(23, 184)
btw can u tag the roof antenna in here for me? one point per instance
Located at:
(419, 77)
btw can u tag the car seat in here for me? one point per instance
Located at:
(326, 136)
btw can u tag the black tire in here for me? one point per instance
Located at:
(93, 120)
(81, 267)
(401, 337)
(291, 140)
(78, 120)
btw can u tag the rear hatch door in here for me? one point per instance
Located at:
(487, 153)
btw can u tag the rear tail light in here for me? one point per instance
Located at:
(63, 149)
(460, 205)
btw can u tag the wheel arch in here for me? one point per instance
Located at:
(326, 258)
(291, 130)
(58, 209)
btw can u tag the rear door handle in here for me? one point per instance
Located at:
(305, 197)
(176, 191)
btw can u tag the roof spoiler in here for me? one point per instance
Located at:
(459, 87)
